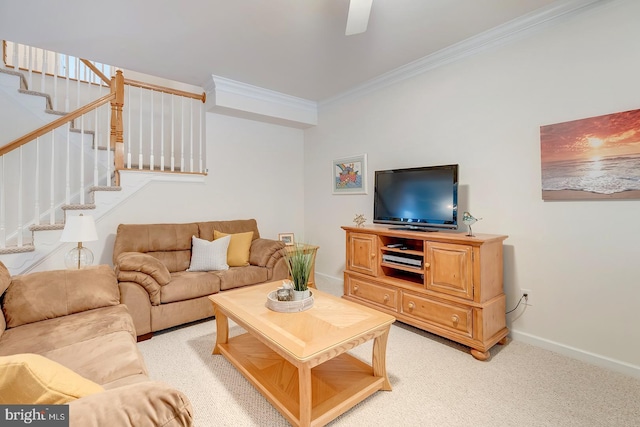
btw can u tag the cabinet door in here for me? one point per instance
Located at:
(362, 253)
(450, 269)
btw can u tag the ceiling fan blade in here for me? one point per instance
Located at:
(358, 17)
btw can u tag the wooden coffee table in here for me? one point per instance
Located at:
(299, 361)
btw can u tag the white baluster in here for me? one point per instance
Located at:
(25, 57)
(162, 131)
(77, 82)
(55, 80)
(181, 134)
(202, 135)
(67, 75)
(173, 135)
(67, 196)
(16, 60)
(151, 159)
(190, 135)
(3, 227)
(30, 67)
(140, 126)
(129, 89)
(82, 159)
(36, 190)
(20, 174)
(110, 164)
(96, 143)
(52, 209)
(43, 86)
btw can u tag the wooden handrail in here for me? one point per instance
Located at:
(96, 71)
(55, 124)
(135, 83)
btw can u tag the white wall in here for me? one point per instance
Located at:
(579, 259)
(254, 171)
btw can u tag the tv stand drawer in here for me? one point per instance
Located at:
(376, 294)
(454, 318)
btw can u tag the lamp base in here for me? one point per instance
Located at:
(78, 258)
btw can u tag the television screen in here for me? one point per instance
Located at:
(417, 198)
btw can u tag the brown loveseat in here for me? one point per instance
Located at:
(151, 263)
(75, 320)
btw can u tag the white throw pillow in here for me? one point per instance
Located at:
(209, 256)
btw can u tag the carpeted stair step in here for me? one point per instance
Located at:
(78, 207)
(23, 80)
(46, 96)
(17, 249)
(46, 227)
(105, 188)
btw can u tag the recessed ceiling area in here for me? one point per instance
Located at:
(296, 47)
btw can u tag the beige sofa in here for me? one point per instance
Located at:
(75, 320)
(151, 263)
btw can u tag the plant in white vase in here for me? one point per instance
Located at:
(299, 262)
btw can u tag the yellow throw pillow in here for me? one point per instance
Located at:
(239, 247)
(33, 379)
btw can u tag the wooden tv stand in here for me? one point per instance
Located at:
(443, 282)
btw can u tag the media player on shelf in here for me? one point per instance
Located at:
(400, 259)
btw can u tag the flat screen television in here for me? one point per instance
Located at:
(422, 199)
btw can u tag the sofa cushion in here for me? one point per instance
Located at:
(170, 243)
(103, 359)
(47, 335)
(208, 256)
(49, 294)
(236, 277)
(206, 229)
(34, 379)
(189, 284)
(239, 247)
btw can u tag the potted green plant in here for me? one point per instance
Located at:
(299, 261)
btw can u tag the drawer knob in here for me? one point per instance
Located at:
(411, 305)
(427, 265)
(355, 289)
(386, 297)
(455, 319)
(373, 256)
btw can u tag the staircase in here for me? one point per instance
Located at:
(53, 162)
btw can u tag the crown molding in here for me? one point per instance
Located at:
(239, 99)
(502, 34)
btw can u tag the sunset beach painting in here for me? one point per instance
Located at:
(593, 158)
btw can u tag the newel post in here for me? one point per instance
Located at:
(116, 136)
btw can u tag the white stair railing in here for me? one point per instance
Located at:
(55, 169)
(163, 120)
(51, 67)
(162, 129)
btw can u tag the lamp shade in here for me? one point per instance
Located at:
(80, 228)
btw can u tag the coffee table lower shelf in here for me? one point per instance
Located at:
(336, 385)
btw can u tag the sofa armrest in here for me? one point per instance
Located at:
(265, 252)
(145, 270)
(148, 403)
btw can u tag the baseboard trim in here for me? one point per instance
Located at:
(576, 353)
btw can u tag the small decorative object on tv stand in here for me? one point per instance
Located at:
(359, 220)
(469, 220)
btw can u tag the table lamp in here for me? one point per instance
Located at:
(79, 228)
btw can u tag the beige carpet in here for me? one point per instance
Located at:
(435, 383)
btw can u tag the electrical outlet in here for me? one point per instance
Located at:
(527, 300)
